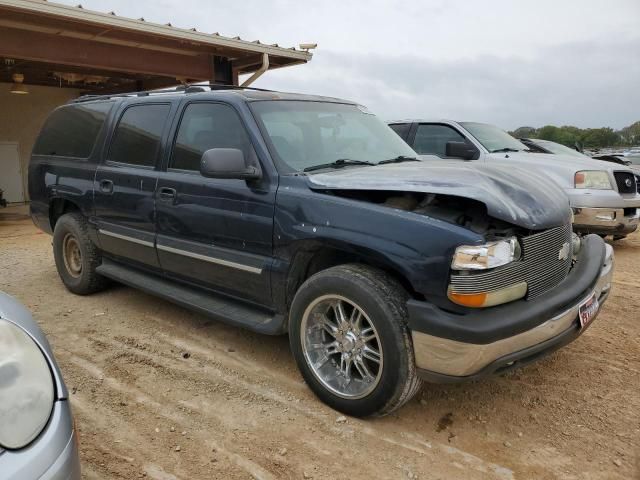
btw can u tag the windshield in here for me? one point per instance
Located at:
(492, 138)
(306, 134)
(557, 148)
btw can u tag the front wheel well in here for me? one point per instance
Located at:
(311, 261)
(58, 207)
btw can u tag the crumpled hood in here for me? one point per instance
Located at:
(515, 196)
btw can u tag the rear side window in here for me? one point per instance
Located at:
(71, 131)
(205, 126)
(137, 136)
(402, 129)
(431, 139)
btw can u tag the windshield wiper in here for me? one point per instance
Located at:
(398, 159)
(505, 149)
(341, 162)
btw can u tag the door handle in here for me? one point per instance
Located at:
(167, 194)
(106, 186)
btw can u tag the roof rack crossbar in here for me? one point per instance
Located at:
(184, 88)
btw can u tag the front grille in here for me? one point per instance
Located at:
(626, 182)
(540, 266)
(638, 182)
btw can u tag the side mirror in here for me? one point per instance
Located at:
(460, 150)
(227, 163)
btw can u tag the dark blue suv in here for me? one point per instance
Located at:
(286, 213)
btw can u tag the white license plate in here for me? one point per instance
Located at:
(588, 310)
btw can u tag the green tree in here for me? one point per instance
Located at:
(631, 135)
(588, 137)
(525, 132)
(600, 137)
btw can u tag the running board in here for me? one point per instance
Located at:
(215, 306)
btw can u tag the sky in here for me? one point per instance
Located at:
(510, 63)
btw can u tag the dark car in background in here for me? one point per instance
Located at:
(287, 213)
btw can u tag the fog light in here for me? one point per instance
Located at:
(488, 299)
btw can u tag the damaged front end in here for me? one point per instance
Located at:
(518, 197)
(524, 245)
(464, 212)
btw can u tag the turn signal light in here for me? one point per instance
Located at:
(488, 299)
(474, 300)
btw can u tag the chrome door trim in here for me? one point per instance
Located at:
(206, 258)
(125, 237)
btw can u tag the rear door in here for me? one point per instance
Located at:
(125, 184)
(216, 233)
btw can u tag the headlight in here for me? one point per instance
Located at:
(593, 179)
(26, 387)
(489, 255)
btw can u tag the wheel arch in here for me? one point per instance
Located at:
(59, 206)
(313, 257)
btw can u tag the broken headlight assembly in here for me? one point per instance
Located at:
(484, 257)
(488, 255)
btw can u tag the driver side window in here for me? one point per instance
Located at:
(205, 126)
(431, 139)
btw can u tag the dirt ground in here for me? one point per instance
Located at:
(162, 393)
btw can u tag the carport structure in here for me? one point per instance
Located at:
(55, 52)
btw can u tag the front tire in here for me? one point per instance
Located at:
(76, 256)
(348, 333)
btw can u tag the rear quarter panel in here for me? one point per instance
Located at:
(67, 178)
(63, 178)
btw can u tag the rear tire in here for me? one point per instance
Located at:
(76, 256)
(352, 376)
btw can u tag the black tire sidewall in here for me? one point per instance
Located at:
(70, 224)
(384, 315)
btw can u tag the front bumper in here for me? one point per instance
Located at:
(52, 456)
(464, 354)
(606, 220)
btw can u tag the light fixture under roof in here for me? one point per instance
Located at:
(18, 86)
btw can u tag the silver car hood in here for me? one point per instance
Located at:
(515, 196)
(561, 168)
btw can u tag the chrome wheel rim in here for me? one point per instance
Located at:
(72, 255)
(341, 346)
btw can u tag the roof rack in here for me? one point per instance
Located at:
(185, 88)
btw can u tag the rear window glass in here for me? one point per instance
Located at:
(137, 137)
(72, 131)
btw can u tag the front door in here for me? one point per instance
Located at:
(431, 139)
(216, 233)
(125, 185)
